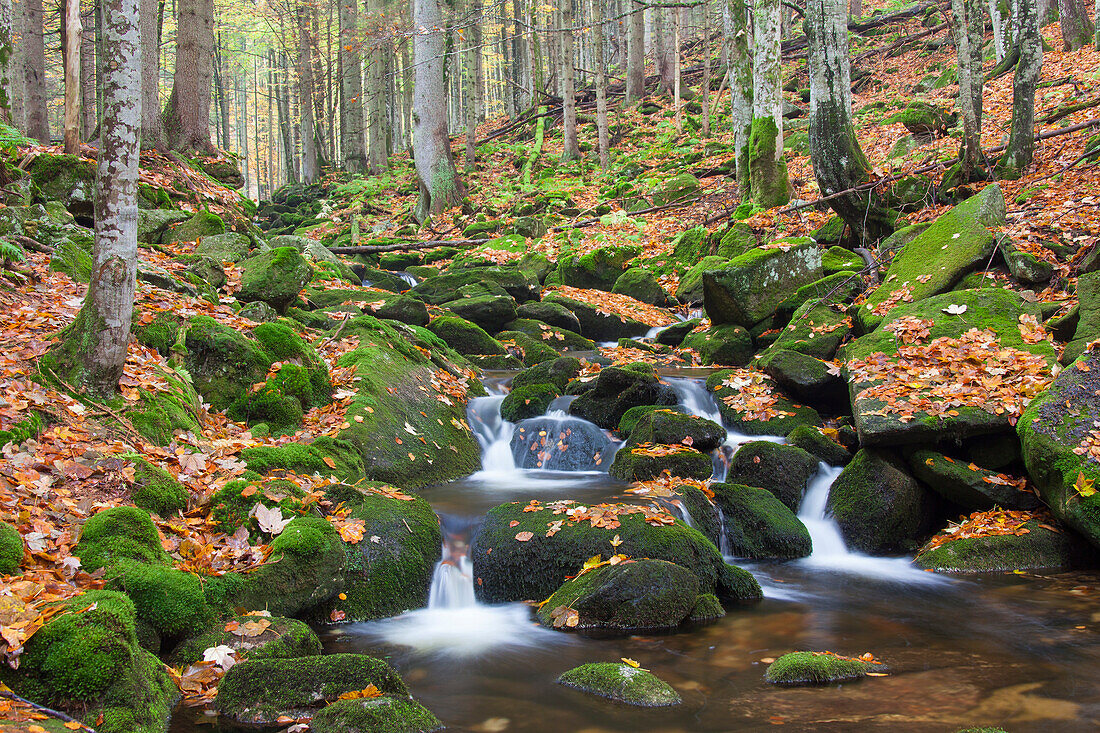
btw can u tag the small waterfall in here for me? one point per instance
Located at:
(453, 579)
(407, 278)
(493, 432)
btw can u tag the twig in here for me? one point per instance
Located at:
(28, 243)
(1067, 166)
(99, 407)
(45, 710)
(1067, 110)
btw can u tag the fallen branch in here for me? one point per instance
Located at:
(595, 220)
(372, 248)
(8, 694)
(28, 243)
(1067, 110)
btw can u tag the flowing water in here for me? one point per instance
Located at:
(1014, 650)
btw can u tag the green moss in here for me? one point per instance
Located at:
(160, 413)
(813, 668)
(561, 338)
(672, 427)
(259, 691)
(160, 333)
(814, 442)
(156, 491)
(25, 429)
(305, 568)
(284, 344)
(281, 412)
(527, 401)
(170, 601)
(727, 345)
(119, 533)
(635, 464)
(308, 459)
(284, 638)
(784, 470)
(378, 715)
(71, 259)
(202, 224)
(768, 182)
(1039, 549)
(465, 337)
(230, 507)
(758, 525)
(275, 277)
(707, 608)
(223, 363)
(621, 682)
(11, 549)
(557, 373)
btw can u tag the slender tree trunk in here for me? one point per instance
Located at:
(72, 37)
(93, 350)
(839, 163)
(221, 72)
(38, 121)
(1021, 141)
(282, 108)
(16, 72)
(305, 98)
(376, 104)
(600, 54)
(571, 150)
(855, 9)
(88, 106)
(1000, 25)
(1077, 29)
(7, 59)
(969, 29)
(1097, 16)
(739, 68)
(521, 98)
(407, 92)
(768, 183)
(635, 53)
(663, 48)
(187, 116)
(474, 86)
(704, 118)
(352, 140)
(240, 100)
(435, 167)
(677, 102)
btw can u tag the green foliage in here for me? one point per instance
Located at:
(116, 534)
(156, 491)
(11, 549)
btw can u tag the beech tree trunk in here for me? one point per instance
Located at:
(7, 59)
(88, 103)
(73, 91)
(187, 116)
(1001, 24)
(376, 96)
(93, 349)
(1077, 29)
(352, 140)
(571, 150)
(282, 110)
(38, 121)
(635, 54)
(600, 53)
(838, 161)
(1021, 141)
(704, 118)
(435, 166)
(663, 48)
(474, 86)
(768, 185)
(305, 98)
(521, 83)
(969, 30)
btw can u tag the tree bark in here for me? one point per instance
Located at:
(73, 91)
(282, 109)
(768, 185)
(352, 140)
(521, 63)
(1000, 24)
(635, 54)
(88, 105)
(1021, 141)
(704, 118)
(474, 86)
(601, 87)
(435, 167)
(7, 59)
(571, 150)
(221, 72)
(1077, 29)
(969, 29)
(187, 116)
(855, 9)
(739, 35)
(376, 93)
(93, 350)
(663, 48)
(38, 121)
(839, 163)
(305, 98)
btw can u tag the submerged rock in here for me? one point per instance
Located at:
(560, 444)
(375, 715)
(814, 668)
(622, 683)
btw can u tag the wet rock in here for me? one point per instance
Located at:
(465, 337)
(784, 470)
(814, 668)
(228, 247)
(967, 485)
(749, 288)
(622, 683)
(726, 345)
(528, 401)
(640, 284)
(1041, 548)
(557, 373)
(560, 444)
(811, 440)
(646, 462)
(490, 312)
(782, 417)
(805, 378)
(553, 314)
(375, 715)
(675, 334)
(598, 325)
(758, 525)
(670, 427)
(616, 390)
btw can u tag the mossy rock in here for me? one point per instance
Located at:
(118, 534)
(806, 378)
(670, 427)
(880, 508)
(707, 608)
(73, 260)
(275, 277)
(640, 284)
(202, 224)
(68, 179)
(11, 549)
(831, 232)
(283, 638)
(562, 339)
(88, 658)
(1041, 548)
(489, 312)
(231, 505)
(784, 470)
(749, 288)
(816, 329)
(616, 390)
(598, 269)
(1088, 316)
(170, 601)
(840, 287)
(527, 401)
(406, 309)
(228, 247)
(922, 118)
(377, 715)
(814, 668)
(157, 491)
(838, 259)
(967, 485)
(552, 314)
(622, 683)
(506, 569)
(787, 417)
(638, 464)
(596, 324)
(814, 442)
(532, 351)
(465, 337)
(28, 427)
(393, 573)
(677, 188)
(725, 345)
(308, 458)
(223, 362)
(258, 692)
(632, 596)
(758, 525)
(520, 284)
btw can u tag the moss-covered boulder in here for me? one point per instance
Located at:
(784, 470)
(73, 260)
(923, 118)
(152, 223)
(11, 549)
(748, 288)
(1088, 316)
(670, 427)
(725, 345)
(390, 570)
(640, 284)
(838, 259)
(758, 525)
(557, 373)
(690, 288)
(527, 401)
(814, 668)
(87, 659)
(228, 247)
(675, 334)
(550, 313)
(521, 285)
(305, 568)
(169, 601)
(751, 403)
(257, 692)
(806, 378)
(375, 715)
(957, 242)
(560, 339)
(1058, 440)
(597, 324)
(202, 224)
(816, 443)
(630, 596)
(465, 337)
(599, 269)
(616, 390)
(535, 565)
(118, 534)
(490, 312)
(1035, 545)
(251, 637)
(222, 362)
(680, 187)
(816, 329)
(966, 484)
(647, 461)
(325, 455)
(951, 341)
(68, 179)
(276, 277)
(404, 308)
(156, 490)
(622, 683)
(880, 508)
(528, 349)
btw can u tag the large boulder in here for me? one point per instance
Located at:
(816, 329)
(228, 247)
(630, 596)
(726, 344)
(557, 373)
(464, 336)
(758, 526)
(940, 256)
(680, 187)
(596, 323)
(270, 637)
(550, 313)
(68, 179)
(784, 470)
(968, 485)
(750, 402)
(152, 223)
(375, 715)
(276, 277)
(1088, 318)
(640, 284)
(595, 270)
(1061, 448)
(202, 224)
(519, 284)
(749, 288)
(1034, 545)
(670, 427)
(616, 390)
(490, 312)
(560, 444)
(950, 366)
(526, 551)
(647, 461)
(880, 508)
(305, 568)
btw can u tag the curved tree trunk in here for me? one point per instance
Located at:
(187, 116)
(93, 349)
(352, 141)
(635, 54)
(1077, 29)
(839, 163)
(435, 166)
(1021, 141)
(768, 184)
(38, 121)
(571, 150)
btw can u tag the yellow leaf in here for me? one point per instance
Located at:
(329, 462)
(1084, 486)
(616, 541)
(592, 562)
(73, 725)
(631, 662)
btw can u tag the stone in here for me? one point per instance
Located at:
(784, 470)
(490, 312)
(616, 390)
(750, 287)
(152, 223)
(814, 668)
(806, 378)
(645, 463)
(726, 345)
(560, 444)
(1041, 548)
(781, 415)
(758, 525)
(553, 314)
(202, 224)
(967, 485)
(677, 188)
(596, 324)
(669, 427)
(276, 277)
(640, 284)
(622, 683)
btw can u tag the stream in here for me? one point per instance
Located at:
(1013, 650)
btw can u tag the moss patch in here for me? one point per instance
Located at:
(814, 668)
(622, 683)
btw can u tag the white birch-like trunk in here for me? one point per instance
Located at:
(73, 92)
(435, 167)
(352, 140)
(999, 21)
(739, 33)
(7, 60)
(704, 120)
(969, 27)
(305, 98)
(1021, 141)
(768, 184)
(600, 54)
(475, 102)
